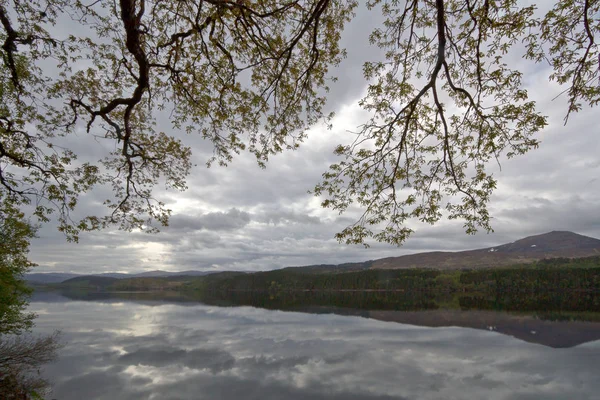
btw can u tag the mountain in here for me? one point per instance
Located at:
(548, 245)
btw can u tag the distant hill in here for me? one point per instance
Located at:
(118, 275)
(554, 244)
(97, 282)
(58, 277)
(159, 273)
(50, 277)
(330, 268)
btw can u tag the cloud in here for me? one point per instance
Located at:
(213, 221)
(282, 216)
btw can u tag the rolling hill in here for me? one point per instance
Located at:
(89, 281)
(49, 277)
(555, 244)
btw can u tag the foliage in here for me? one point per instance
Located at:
(445, 103)
(15, 234)
(244, 75)
(252, 75)
(21, 354)
(20, 358)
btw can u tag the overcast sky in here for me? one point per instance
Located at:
(244, 218)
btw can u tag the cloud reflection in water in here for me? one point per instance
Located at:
(129, 350)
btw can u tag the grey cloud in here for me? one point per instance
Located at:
(277, 217)
(356, 42)
(578, 215)
(217, 221)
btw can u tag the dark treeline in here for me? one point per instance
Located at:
(545, 305)
(547, 275)
(289, 280)
(528, 280)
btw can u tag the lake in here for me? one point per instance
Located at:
(169, 347)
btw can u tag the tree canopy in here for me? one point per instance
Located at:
(15, 234)
(253, 75)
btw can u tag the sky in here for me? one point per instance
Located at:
(241, 217)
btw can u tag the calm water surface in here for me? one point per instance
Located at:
(126, 349)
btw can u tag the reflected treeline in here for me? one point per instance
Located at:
(583, 306)
(563, 305)
(544, 302)
(399, 301)
(281, 301)
(557, 320)
(142, 297)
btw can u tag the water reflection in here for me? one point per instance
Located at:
(119, 348)
(552, 320)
